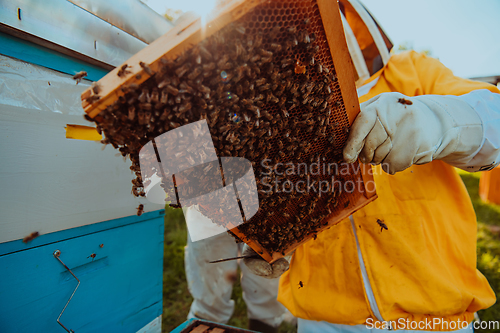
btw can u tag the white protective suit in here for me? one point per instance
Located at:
(211, 284)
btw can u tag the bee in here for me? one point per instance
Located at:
(92, 99)
(382, 225)
(286, 62)
(123, 70)
(96, 87)
(255, 58)
(140, 209)
(172, 90)
(93, 255)
(404, 101)
(30, 237)
(265, 53)
(132, 87)
(265, 60)
(146, 68)
(275, 31)
(319, 68)
(79, 76)
(205, 52)
(305, 38)
(264, 87)
(260, 82)
(276, 47)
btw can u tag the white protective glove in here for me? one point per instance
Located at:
(399, 131)
(260, 267)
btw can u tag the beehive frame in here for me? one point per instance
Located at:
(189, 32)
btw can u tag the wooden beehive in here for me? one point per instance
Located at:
(274, 74)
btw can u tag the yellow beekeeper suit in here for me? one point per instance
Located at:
(424, 265)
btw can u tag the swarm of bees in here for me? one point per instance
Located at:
(268, 92)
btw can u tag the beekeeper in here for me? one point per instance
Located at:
(211, 285)
(418, 121)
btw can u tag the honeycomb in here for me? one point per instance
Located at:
(267, 86)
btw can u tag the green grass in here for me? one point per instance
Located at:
(177, 300)
(176, 297)
(488, 242)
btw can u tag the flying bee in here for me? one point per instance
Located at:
(382, 225)
(140, 209)
(146, 68)
(79, 76)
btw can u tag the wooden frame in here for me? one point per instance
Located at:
(189, 32)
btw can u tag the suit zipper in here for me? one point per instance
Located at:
(366, 282)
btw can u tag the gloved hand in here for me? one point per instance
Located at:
(399, 131)
(260, 267)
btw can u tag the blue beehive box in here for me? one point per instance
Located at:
(72, 193)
